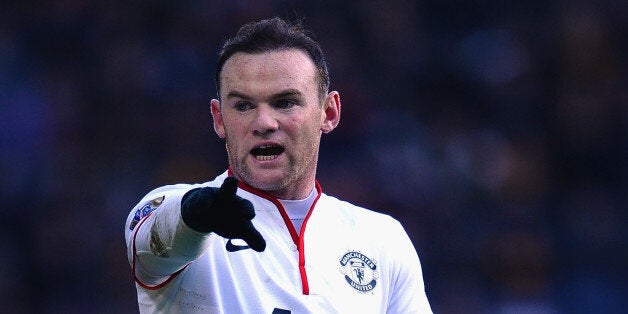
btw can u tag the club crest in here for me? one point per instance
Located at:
(145, 210)
(360, 271)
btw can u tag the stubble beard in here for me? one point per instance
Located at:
(281, 187)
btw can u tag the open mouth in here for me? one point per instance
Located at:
(267, 152)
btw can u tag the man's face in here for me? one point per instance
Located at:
(271, 116)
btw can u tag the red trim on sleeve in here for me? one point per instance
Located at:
(137, 280)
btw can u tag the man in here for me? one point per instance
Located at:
(262, 237)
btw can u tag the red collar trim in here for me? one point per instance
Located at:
(298, 239)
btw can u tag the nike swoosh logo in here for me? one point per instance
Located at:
(234, 248)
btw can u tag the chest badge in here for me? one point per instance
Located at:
(360, 271)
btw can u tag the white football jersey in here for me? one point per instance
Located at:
(346, 259)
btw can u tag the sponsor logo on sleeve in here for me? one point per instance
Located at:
(360, 271)
(144, 210)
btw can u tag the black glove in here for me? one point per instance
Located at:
(223, 212)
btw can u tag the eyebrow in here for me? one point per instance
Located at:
(286, 93)
(282, 94)
(237, 95)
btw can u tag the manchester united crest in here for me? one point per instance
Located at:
(360, 271)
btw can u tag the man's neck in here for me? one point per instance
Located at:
(293, 192)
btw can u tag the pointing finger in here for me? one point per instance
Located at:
(254, 239)
(229, 187)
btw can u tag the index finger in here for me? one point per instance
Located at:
(229, 186)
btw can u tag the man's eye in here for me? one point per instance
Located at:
(242, 106)
(284, 104)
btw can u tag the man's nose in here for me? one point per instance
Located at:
(265, 120)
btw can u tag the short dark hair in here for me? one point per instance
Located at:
(274, 35)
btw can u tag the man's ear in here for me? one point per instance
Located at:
(219, 126)
(331, 110)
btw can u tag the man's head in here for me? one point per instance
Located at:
(272, 115)
(273, 35)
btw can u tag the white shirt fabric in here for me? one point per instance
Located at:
(297, 209)
(346, 259)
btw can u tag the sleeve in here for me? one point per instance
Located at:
(159, 244)
(408, 290)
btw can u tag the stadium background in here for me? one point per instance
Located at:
(495, 132)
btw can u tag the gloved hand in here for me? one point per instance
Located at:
(223, 212)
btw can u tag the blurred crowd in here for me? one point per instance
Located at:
(496, 133)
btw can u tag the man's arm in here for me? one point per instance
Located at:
(171, 227)
(158, 242)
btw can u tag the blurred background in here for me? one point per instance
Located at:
(495, 131)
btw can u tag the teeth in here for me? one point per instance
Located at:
(267, 152)
(265, 158)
